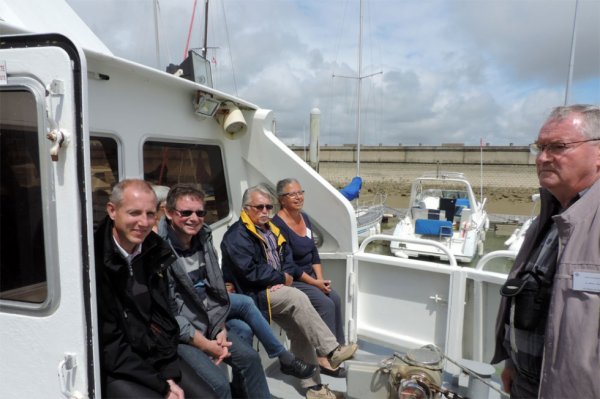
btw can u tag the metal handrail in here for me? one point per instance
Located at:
(387, 237)
(494, 255)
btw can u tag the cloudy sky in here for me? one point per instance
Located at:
(453, 71)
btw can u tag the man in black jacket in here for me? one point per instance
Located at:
(138, 334)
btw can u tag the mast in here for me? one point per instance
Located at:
(358, 90)
(157, 33)
(572, 59)
(359, 77)
(205, 44)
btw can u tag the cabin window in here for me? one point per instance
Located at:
(22, 252)
(105, 174)
(167, 164)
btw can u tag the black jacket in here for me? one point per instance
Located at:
(138, 334)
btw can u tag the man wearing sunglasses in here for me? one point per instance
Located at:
(257, 262)
(201, 303)
(548, 326)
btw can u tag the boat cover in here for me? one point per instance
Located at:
(433, 227)
(352, 190)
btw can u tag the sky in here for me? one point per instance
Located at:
(433, 71)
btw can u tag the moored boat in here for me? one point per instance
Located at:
(443, 209)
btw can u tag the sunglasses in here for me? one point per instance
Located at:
(261, 206)
(187, 213)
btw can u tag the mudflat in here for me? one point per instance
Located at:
(508, 188)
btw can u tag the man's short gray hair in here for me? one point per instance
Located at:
(259, 188)
(590, 114)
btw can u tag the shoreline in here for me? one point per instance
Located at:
(508, 188)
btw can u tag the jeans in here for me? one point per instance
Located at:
(243, 313)
(245, 362)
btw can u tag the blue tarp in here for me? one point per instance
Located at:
(352, 190)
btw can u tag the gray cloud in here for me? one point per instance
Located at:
(454, 71)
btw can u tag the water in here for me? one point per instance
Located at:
(494, 241)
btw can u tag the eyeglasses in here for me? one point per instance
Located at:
(260, 207)
(555, 148)
(293, 194)
(187, 213)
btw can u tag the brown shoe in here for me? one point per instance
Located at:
(341, 354)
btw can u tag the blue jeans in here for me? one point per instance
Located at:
(244, 361)
(243, 313)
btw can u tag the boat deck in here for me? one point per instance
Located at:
(286, 387)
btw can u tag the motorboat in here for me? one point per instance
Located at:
(443, 209)
(514, 242)
(75, 119)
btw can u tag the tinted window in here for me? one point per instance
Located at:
(166, 164)
(105, 173)
(22, 252)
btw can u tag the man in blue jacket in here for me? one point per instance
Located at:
(257, 261)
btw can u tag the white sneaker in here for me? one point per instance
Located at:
(324, 393)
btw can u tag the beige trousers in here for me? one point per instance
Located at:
(308, 334)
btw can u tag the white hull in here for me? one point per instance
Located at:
(443, 210)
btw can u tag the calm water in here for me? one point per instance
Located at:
(494, 241)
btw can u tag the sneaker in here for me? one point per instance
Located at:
(341, 354)
(298, 368)
(324, 393)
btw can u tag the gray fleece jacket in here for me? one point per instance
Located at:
(190, 312)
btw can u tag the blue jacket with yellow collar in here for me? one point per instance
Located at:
(245, 262)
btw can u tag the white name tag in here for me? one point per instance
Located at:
(586, 281)
(308, 233)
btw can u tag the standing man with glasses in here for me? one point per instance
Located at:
(258, 263)
(548, 326)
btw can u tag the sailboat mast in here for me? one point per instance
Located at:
(205, 44)
(358, 96)
(572, 58)
(157, 33)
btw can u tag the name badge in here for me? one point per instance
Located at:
(308, 233)
(586, 281)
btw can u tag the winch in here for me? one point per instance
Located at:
(417, 374)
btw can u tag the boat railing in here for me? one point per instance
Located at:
(447, 304)
(444, 175)
(390, 238)
(487, 258)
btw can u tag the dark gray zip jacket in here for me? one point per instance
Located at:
(191, 314)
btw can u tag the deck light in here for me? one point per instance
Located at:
(205, 105)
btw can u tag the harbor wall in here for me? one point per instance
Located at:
(446, 154)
